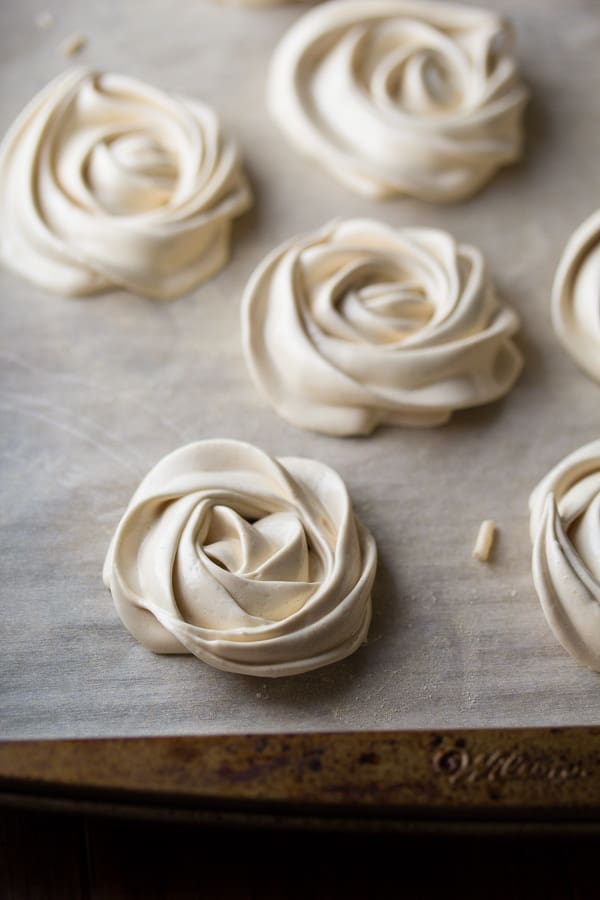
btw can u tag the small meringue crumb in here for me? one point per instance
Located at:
(73, 44)
(485, 539)
(44, 19)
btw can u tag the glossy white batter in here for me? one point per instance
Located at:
(565, 531)
(361, 324)
(576, 296)
(401, 97)
(108, 183)
(255, 565)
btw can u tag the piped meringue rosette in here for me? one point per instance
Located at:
(361, 324)
(107, 183)
(399, 97)
(576, 296)
(565, 531)
(253, 564)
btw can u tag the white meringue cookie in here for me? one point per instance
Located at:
(565, 531)
(576, 296)
(400, 97)
(254, 565)
(106, 183)
(360, 324)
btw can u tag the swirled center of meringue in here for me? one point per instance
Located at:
(131, 173)
(375, 302)
(408, 66)
(273, 548)
(372, 297)
(267, 560)
(117, 155)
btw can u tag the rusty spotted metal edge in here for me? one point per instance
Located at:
(543, 775)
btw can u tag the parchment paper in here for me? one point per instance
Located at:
(93, 392)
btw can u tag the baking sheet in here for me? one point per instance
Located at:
(93, 392)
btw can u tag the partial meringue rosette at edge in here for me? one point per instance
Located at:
(106, 182)
(565, 532)
(576, 296)
(401, 97)
(361, 324)
(253, 564)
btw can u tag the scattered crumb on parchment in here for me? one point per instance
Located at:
(44, 19)
(485, 539)
(73, 45)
